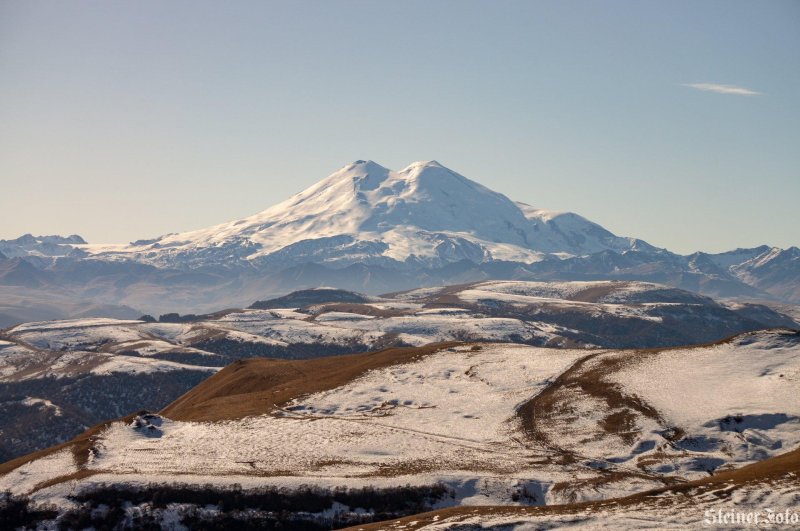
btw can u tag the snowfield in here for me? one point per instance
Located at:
(493, 420)
(756, 372)
(458, 394)
(452, 411)
(458, 416)
(775, 502)
(740, 397)
(27, 477)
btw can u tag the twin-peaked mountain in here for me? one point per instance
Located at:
(422, 216)
(370, 229)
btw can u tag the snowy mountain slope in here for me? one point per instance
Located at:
(735, 257)
(456, 415)
(776, 271)
(42, 246)
(696, 273)
(555, 228)
(373, 230)
(422, 215)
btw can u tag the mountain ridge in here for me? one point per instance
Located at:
(372, 229)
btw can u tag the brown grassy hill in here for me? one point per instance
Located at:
(255, 386)
(248, 387)
(259, 386)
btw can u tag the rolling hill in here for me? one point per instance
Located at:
(594, 435)
(59, 377)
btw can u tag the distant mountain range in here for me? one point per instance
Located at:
(374, 230)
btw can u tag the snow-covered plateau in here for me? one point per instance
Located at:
(97, 368)
(495, 424)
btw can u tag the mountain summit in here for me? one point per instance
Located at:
(423, 215)
(375, 230)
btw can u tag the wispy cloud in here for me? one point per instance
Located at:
(722, 89)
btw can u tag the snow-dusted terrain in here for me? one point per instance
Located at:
(762, 503)
(364, 228)
(685, 411)
(530, 312)
(64, 380)
(93, 369)
(497, 424)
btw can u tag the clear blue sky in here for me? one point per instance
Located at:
(126, 120)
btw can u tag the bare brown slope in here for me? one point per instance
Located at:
(255, 386)
(360, 309)
(782, 467)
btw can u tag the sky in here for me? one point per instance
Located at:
(676, 122)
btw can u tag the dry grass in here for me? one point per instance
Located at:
(257, 386)
(622, 423)
(246, 387)
(547, 402)
(75, 476)
(360, 309)
(596, 293)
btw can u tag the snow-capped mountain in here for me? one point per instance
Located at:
(423, 215)
(776, 271)
(370, 229)
(28, 245)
